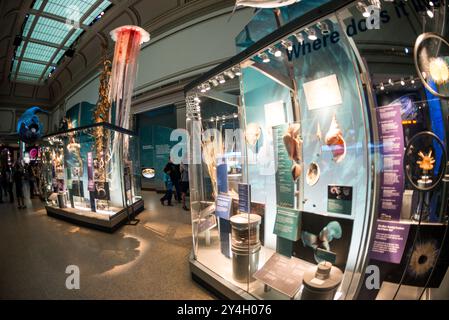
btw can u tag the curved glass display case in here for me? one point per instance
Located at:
(304, 134)
(88, 183)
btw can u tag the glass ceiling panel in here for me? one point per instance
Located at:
(27, 78)
(49, 30)
(102, 7)
(31, 68)
(37, 4)
(39, 52)
(28, 24)
(69, 8)
(58, 56)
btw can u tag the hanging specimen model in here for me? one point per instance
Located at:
(334, 139)
(293, 142)
(128, 40)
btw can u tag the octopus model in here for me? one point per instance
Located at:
(334, 139)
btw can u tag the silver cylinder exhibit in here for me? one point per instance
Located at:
(245, 246)
(321, 282)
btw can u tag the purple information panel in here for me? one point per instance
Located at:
(391, 138)
(90, 172)
(390, 240)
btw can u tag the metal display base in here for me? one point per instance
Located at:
(109, 225)
(215, 284)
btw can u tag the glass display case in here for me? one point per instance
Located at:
(93, 176)
(340, 151)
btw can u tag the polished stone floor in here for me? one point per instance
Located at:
(146, 261)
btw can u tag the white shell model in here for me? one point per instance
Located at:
(265, 4)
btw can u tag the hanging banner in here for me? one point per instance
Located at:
(391, 141)
(222, 178)
(90, 172)
(244, 198)
(285, 188)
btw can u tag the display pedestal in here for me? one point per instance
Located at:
(95, 220)
(216, 284)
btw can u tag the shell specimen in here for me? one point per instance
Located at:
(313, 174)
(334, 139)
(296, 171)
(252, 133)
(293, 142)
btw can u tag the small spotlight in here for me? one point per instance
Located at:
(287, 44)
(430, 13)
(236, 115)
(275, 52)
(229, 74)
(196, 99)
(402, 82)
(214, 82)
(406, 50)
(311, 34)
(299, 37)
(382, 87)
(390, 81)
(203, 89)
(431, 3)
(237, 71)
(207, 87)
(412, 80)
(264, 57)
(324, 28)
(221, 79)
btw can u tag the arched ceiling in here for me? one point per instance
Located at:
(156, 16)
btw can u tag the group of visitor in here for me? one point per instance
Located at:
(176, 176)
(13, 178)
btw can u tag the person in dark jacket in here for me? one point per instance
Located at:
(6, 181)
(18, 181)
(175, 175)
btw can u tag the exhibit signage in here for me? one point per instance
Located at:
(285, 187)
(391, 140)
(90, 172)
(223, 206)
(282, 274)
(390, 240)
(287, 224)
(244, 198)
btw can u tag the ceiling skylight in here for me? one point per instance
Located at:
(49, 29)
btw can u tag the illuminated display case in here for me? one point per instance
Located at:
(341, 155)
(89, 181)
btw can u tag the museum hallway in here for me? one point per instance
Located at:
(146, 261)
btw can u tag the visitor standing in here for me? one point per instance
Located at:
(6, 181)
(168, 190)
(18, 181)
(173, 171)
(184, 168)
